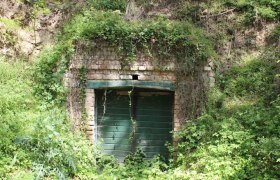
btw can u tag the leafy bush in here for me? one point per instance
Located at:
(56, 151)
(240, 141)
(33, 137)
(49, 71)
(109, 4)
(249, 10)
(163, 38)
(17, 109)
(274, 37)
(9, 23)
(267, 9)
(252, 77)
(135, 166)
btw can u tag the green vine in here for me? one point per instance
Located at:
(164, 38)
(83, 79)
(49, 72)
(133, 121)
(161, 39)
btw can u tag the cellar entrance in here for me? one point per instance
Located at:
(128, 119)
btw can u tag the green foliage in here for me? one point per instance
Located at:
(274, 37)
(238, 136)
(249, 9)
(128, 36)
(161, 38)
(9, 38)
(267, 9)
(134, 160)
(187, 11)
(253, 77)
(57, 151)
(83, 80)
(135, 166)
(49, 72)
(82, 95)
(109, 4)
(9, 35)
(33, 137)
(40, 6)
(9, 23)
(16, 110)
(38, 142)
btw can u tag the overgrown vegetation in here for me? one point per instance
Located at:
(266, 9)
(250, 10)
(237, 137)
(108, 4)
(36, 141)
(159, 38)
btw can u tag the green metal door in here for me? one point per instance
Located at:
(152, 112)
(113, 122)
(154, 122)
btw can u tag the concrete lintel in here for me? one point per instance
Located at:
(101, 84)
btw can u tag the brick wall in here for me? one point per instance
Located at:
(103, 63)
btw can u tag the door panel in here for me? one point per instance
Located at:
(152, 112)
(113, 122)
(154, 122)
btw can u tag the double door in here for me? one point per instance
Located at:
(131, 119)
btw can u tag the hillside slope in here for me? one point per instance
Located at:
(236, 137)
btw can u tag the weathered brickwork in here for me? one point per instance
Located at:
(103, 63)
(90, 106)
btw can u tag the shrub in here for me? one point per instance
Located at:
(240, 141)
(254, 77)
(17, 110)
(184, 41)
(109, 4)
(35, 137)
